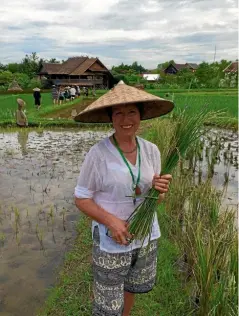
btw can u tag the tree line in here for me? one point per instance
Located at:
(207, 75)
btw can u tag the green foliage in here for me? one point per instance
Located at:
(14, 67)
(6, 77)
(35, 83)
(135, 68)
(22, 79)
(31, 65)
(162, 66)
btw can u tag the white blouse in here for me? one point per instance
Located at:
(105, 178)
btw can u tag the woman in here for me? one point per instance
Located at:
(37, 97)
(116, 168)
(21, 118)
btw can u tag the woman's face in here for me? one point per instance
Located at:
(126, 119)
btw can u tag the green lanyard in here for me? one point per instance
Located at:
(135, 184)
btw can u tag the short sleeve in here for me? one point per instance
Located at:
(89, 180)
(156, 160)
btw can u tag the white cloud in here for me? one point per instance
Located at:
(150, 31)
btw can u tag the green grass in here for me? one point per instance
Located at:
(8, 106)
(225, 100)
(73, 293)
(214, 102)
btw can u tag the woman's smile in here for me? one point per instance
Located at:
(126, 126)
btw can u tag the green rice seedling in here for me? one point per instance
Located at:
(184, 132)
(180, 189)
(200, 176)
(211, 251)
(16, 222)
(225, 155)
(226, 178)
(40, 236)
(207, 152)
(1, 215)
(208, 239)
(51, 214)
(63, 218)
(2, 239)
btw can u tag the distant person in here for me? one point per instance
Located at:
(86, 92)
(77, 91)
(73, 93)
(93, 92)
(37, 97)
(61, 95)
(21, 118)
(54, 94)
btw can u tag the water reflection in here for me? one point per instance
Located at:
(22, 138)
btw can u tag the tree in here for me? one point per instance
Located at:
(53, 61)
(162, 66)
(31, 65)
(3, 67)
(6, 77)
(22, 79)
(14, 67)
(137, 68)
(186, 78)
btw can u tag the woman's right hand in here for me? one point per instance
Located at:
(119, 230)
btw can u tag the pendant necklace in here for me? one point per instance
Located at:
(135, 187)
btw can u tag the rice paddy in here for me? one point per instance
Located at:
(48, 114)
(197, 260)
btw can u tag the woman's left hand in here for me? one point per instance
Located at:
(161, 183)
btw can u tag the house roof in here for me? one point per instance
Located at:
(183, 66)
(74, 66)
(233, 67)
(50, 68)
(70, 65)
(180, 66)
(192, 65)
(83, 66)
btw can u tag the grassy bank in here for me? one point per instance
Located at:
(73, 294)
(8, 106)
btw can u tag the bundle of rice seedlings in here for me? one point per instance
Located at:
(186, 130)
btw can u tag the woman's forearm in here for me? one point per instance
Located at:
(94, 211)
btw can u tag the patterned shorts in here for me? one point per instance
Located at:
(114, 273)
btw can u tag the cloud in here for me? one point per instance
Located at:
(149, 31)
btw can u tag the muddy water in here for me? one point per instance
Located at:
(225, 165)
(38, 173)
(72, 111)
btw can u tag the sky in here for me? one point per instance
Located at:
(116, 31)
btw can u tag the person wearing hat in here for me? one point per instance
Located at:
(21, 118)
(37, 97)
(55, 94)
(116, 173)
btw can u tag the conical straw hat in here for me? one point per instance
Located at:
(124, 94)
(21, 102)
(36, 89)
